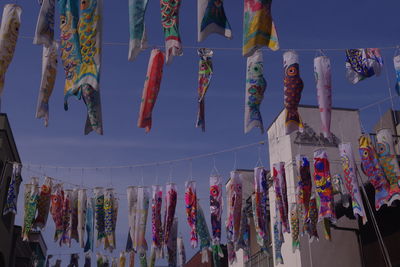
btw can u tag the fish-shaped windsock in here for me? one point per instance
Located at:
(170, 206)
(390, 165)
(156, 223)
(191, 211)
(259, 204)
(82, 208)
(373, 170)
(12, 193)
(396, 62)
(281, 201)
(278, 241)
(205, 75)
(255, 88)
(351, 179)
(43, 205)
(141, 220)
(234, 196)
(31, 197)
(322, 73)
(74, 215)
(216, 204)
(137, 32)
(310, 224)
(293, 86)
(203, 233)
(108, 219)
(363, 63)
(49, 72)
(295, 226)
(44, 33)
(132, 206)
(57, 198)
(323, 185)
(340, 188)
(89, 225)
(304, 185)
(211, 19)
(181, 260)
(151, 89)
(170, 24)
(172, 244)
(244, 235)
(9, 31)
(66, 218)
(258, 27)
(99, 215)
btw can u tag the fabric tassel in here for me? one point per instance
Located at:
(56, 210)
(211, 19)
(216, 206)
(170, 24)
(304, 185)
(205, 75)
(234, 212)
(141, 222)
(244, 236)
(323, 185)
(259, 28)
(281, 201)
(114, 222)
(89, 225)
(203, 233)
(99, 215)
(13, 190)
(339, 188)
(108, 219)
(170, 206)
(310, 224)
(31, 197)
(99, 260)
(255, 88)
(58, 263)
(132, 207)
(157, 231)
(9, 31)
(131, 259)
(66, 218)
(396, 62)
(181, 260)
(43, 205)
(191, 211)
(295, 226)
(351, 179)
(390, 165)
(373, 170)
(44, 34)
(259, 206)
(49, 72)
(278, 241)
(230, 247)
(82, 204)
(172, 244)
(293, 86)
(88, 260)
(137, 32)
(74, 215)
(322, 73)
(122, 259)
(151, 89)
(363, 63)
(73, 261)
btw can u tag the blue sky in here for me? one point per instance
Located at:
(301, 25)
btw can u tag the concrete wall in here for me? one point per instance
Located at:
(343, 250)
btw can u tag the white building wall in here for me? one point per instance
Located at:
(343, 250)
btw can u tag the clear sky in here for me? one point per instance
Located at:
(300, 24)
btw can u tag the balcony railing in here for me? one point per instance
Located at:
(260, 259)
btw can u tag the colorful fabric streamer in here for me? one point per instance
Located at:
(351, 179)
(293, 86)
(323, 185)
(88, 260)
(172, 244)
(74, 260)
(44, 33)
(396, 62)
(49, 72)
(211, 19)
(234, 210)
(66, 218)
(244, 236)
(131, 259)
(99, 259)
(216, 204)
(74, 215)
(205, 75)
(157, 231)
(181, 260)
(310, 224)
(259, 205)
(122, 259)
(390, 165)
(109, 242)
(304, 185)
(99, 215)
(373, 170)
(170, 24)
(151, 89)
(203, 233)
(43, 205)
(31, 197)
(82, 209)
(89, 225)
(281, 201)
(191, 211)
(255, 88)
(340, 188)
(137, 31)
(295, 226)
(9, 31)
(323, 80)
(363, 63)
(132, 207)
(12, 193)
(57, 198)
(170, 206)
(278, 241)
(141, 220)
